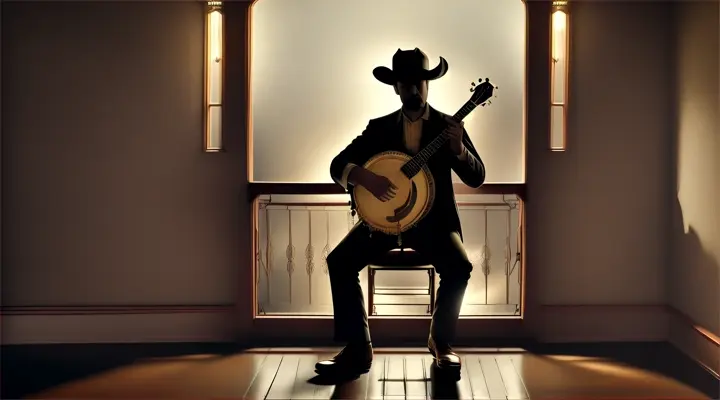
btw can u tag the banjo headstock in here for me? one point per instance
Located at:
(482, 93)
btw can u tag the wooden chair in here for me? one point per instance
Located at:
(400, 260)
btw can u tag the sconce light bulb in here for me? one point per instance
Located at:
(559, 30)
(559, 20)
(215, 35)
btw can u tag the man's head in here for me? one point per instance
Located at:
(410, 76)
(413, 94)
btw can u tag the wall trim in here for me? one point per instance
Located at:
(115, 309)
(216, 323)
(624, 322)
(117, 324)
(695, 341)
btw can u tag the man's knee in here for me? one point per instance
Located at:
(459, 270)
(338, 263)
(333, 260)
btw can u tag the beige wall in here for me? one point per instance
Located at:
(597, 215)
(694, 267)
(108, 200)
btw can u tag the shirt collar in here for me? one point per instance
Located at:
(425, 115)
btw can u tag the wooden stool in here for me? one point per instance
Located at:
(400, 260)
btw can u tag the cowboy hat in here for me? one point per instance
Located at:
(409, 65)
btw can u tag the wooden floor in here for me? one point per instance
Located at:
(286, 373)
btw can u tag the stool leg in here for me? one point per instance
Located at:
(431, 272)
(371, 291)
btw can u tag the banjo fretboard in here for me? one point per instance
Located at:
(412, 167)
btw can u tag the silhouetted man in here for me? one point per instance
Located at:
(438, 237)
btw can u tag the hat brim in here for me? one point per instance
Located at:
(390, 77)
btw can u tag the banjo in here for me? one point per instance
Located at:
(415, 184)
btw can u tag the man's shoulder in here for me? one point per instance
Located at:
(389, 118)
(394, 117)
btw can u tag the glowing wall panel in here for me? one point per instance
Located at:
(312, 88)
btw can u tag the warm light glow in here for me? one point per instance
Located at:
(312, 88)
(559, 25)
(215, 40)
(559, 59)
(307, 292)
(213, 76)
(215, 36)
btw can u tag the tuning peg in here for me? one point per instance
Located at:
(472, 83)
(480, 80)
(489, 102)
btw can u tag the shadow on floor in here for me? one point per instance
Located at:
(659, 357)
(31, 369)
(27, 369)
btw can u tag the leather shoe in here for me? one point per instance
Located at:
(446, 360)
(354, 359)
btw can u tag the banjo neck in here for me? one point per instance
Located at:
(412, 167)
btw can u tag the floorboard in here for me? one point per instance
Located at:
(277, 374)
(475, 377)
(490, 370)
(260, 386)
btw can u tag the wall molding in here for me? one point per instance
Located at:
(695, 341)
(593, 323)
(117, 324)
(216, 323)
(115, 309)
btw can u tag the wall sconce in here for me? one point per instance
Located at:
(214, 62)
(560, 43)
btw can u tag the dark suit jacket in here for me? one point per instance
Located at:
(386, 134)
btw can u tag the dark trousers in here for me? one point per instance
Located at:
(443, 249)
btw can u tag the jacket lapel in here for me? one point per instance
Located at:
(397, 134)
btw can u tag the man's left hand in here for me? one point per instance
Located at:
(455, 135)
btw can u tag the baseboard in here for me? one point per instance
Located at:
(152, 324)
(141, 324)
(601, 323)
(627, 323)
(695, 341)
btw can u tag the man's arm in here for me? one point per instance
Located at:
(468, 165)
(356, 153)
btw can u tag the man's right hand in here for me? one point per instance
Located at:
(381, 187)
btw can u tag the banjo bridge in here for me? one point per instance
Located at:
(405, 209)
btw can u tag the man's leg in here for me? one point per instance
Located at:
(345, 262)
(445, 251)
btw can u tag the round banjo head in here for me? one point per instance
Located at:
(412, 200)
